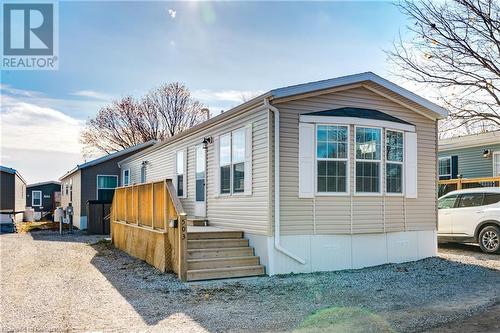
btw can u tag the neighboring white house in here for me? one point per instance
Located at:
(327, 175)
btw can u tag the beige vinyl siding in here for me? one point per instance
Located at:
(77, 209)
(20, 194)
(247, 213)
(370, 214)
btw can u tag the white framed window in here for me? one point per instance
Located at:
(106, 185)
(444, 168)
(232, 162)
(180, 172)
(143, 173)
(496, 164)
(71, 190)
(332, 159)
(126, 177)
(36, 198)
(368, 157)
(394, 171)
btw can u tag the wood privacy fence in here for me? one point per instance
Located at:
(148, 222)
(449, 185)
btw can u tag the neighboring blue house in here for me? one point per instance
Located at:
(470, 156)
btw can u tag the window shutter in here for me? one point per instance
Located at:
(454, 167)
(411, 165)
(184, 178)
(216, 168)
(248, 159)
(306, 160)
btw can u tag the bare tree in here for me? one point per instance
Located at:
(453, 48)
(162, 113)
(173, 104)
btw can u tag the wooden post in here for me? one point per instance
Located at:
(153, 205)
(459, 184)
(182, 226)
(136, 206)
(165, 206)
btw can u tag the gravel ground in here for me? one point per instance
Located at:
(469, 254)
(54, 283)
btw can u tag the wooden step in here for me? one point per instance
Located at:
(195, 264)
(223, 273)
(214, 235)
(197, 222)
(219, 252)
(217, 243)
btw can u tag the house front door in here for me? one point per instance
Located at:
(200, 176)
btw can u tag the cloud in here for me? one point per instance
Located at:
(93, 94)
(8, 90)
(172, 13)
(29, 126)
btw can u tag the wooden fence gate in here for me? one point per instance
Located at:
(148, 222)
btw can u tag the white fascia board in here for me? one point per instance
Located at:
(356, 78)
(356, 121)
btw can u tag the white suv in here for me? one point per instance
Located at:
(471, 216)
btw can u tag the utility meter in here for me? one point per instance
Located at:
(69, 210)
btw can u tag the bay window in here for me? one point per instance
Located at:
(368, 159)
(232, 152)
(331, 158)
(394, 161)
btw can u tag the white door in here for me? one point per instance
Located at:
(467, 214)
(445, 216)
(200, 179)
(496, 164)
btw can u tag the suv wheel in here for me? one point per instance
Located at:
(489, 239)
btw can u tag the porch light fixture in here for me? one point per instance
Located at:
(207, 141)
(487, 153)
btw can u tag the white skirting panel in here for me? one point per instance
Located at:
(7, 218)
(337, 252)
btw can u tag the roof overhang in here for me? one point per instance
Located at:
(108, 157)
(44, 183)
(437, 111)
(468, 141)
(12, 172)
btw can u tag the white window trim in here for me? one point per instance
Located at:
(361, 122)
(104, 188)
(33, 198)
(347, 159)
(402, 163)
(184, 173)
(231, 192)
(496, 173)
(451, 167)
(123, 177)
(380, 161)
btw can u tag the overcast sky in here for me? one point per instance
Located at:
(221, 51)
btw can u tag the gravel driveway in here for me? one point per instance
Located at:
(53, 283)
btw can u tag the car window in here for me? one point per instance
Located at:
(447, 202)
(491, 198)
(470, 200)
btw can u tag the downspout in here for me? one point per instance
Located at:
(277, 244)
